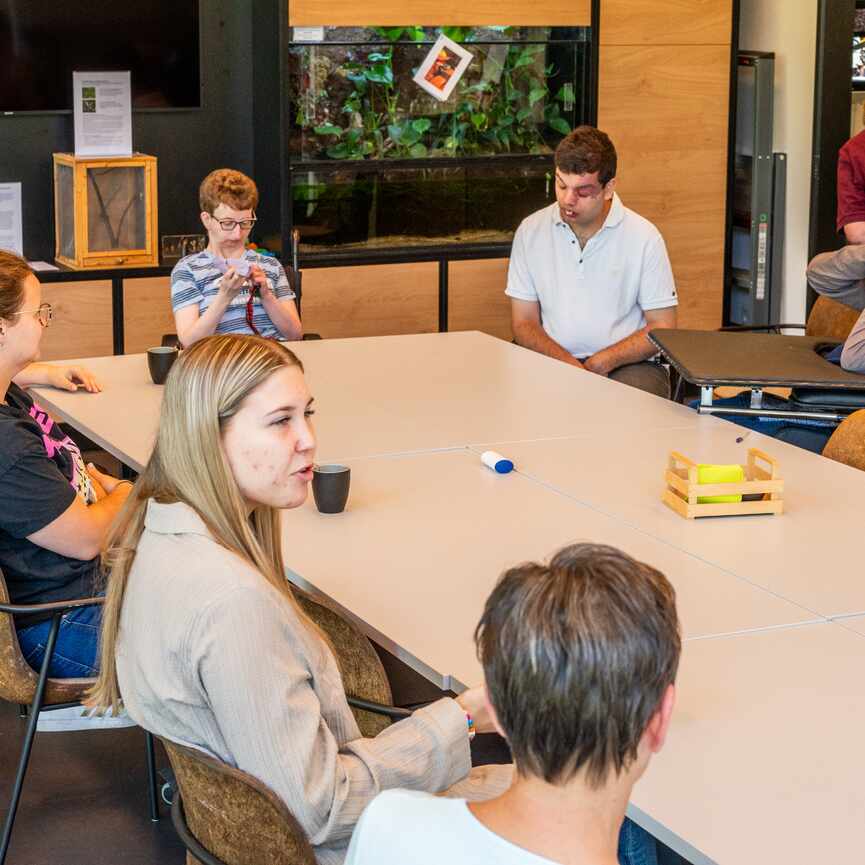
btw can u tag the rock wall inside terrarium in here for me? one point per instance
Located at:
(378, 162)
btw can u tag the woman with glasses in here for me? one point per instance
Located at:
(54, 510)
(228, 288)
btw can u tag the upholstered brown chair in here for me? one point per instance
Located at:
(20, 684)
(228, 817)
(363, 675)
(847, 444)
(830, 319)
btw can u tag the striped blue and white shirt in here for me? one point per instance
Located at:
(195, 281)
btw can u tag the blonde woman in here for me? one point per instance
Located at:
(202, 638)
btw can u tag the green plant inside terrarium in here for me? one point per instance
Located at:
(358, 101)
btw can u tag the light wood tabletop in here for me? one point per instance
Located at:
(763, 762)
(804, 555)
(395, 394)
(425, 537)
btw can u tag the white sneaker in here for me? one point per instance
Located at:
(78, 718)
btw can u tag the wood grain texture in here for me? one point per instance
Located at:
(666, 22)
(573, 13)
(147, 312)
(371, 300)
(476, 297)
(82, 320)
(666, 110)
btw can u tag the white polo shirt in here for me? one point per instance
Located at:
(593, 297)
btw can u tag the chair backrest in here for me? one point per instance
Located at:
(362, 672)
(847, 444)
(235, 817)
(18, 680)
(830, 319)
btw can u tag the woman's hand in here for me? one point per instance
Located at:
(71, 378)
(474, 702)
(105, 481)
(231, 284)
(262, 283)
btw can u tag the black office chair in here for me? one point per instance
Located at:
(20, 684)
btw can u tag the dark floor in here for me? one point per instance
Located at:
(84, 799)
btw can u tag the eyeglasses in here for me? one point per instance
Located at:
(231, 224)
(43, 315)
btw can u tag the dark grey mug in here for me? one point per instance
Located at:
(160, 361)
(330, 487)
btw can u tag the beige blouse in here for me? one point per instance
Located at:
(210, 655)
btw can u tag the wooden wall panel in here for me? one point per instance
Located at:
(476, 297)
(146, 312)
(431, 13)
(82, 320)
(666, 109)
(371, 300)
(666, 22)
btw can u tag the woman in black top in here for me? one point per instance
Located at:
(54, 510)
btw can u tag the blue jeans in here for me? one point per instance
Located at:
(75, 652)
(636, 845)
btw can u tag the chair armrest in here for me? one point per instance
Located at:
(378, 709)
(56, 607)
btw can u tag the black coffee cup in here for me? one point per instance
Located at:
(330, 487)
(160, 361)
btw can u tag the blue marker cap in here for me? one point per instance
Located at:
(495, 461)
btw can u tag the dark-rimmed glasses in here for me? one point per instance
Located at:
(43, 314)
(231, 224)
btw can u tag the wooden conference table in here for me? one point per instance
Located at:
(762, 763)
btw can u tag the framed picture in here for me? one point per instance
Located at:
(442, 68)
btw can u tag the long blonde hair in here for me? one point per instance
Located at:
(204, 390)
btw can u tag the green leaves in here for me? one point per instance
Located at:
(421, 125)
(536, 94)
(328, 129)
(560, 125)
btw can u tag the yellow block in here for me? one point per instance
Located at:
(709, 474)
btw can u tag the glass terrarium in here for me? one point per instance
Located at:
(378, 163)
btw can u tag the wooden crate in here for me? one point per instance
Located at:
(105, 211)
(683, 490)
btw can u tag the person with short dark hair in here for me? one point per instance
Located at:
(228, 288)
(580, 657)
(589, 278)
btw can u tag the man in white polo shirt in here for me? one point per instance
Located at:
(588, 278)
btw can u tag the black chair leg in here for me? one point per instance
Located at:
(152, 791)
(28, 738)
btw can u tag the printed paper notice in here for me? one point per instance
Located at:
(103, 113)
(11, 235)
(442, 68)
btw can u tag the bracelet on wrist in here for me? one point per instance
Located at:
(470, 724)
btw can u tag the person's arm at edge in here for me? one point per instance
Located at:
(79, 532)
(59, 375)
(192, 326)
(634, 348)
(529, 332)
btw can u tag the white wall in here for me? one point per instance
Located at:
(789, 28)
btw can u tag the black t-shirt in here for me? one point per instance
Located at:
(41, 472)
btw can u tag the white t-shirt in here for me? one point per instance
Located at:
(405, 826)
(593, 297)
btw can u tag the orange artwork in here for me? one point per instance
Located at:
(442, 69)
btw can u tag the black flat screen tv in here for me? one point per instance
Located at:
(42, 42)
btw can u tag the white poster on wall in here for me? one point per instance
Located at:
(103, 113)
(11, 233)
